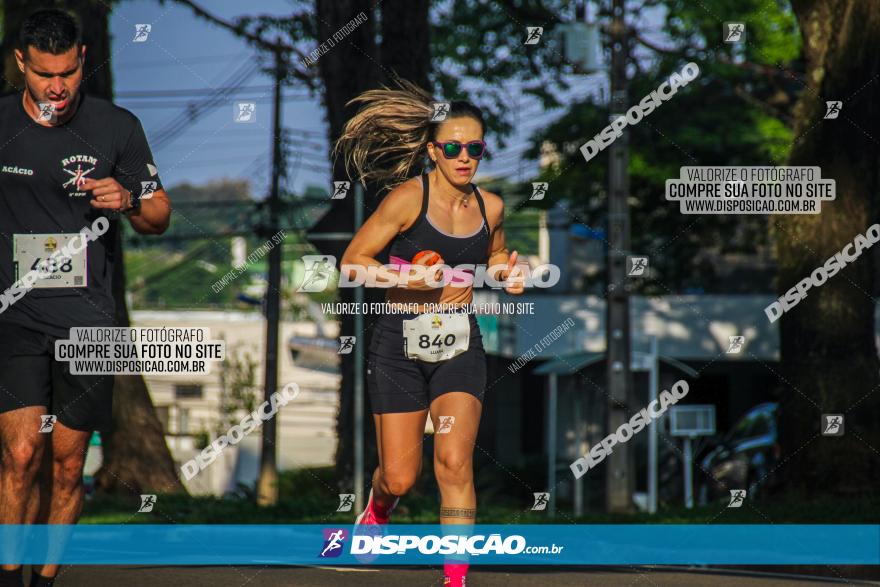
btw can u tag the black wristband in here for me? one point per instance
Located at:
(135, 205)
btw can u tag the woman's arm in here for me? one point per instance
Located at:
(397, 210)
(498, 253)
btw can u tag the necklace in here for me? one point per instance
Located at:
(464, 199)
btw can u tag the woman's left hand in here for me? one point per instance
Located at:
(514, 277)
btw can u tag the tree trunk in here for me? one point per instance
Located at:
(135, 456)
(406, 42)
(829, 357)
(350, 68)
(346, 71)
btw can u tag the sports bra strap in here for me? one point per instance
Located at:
(425, 196)
(424, 211)
(482, 207)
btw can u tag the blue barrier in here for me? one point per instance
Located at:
(669, 544)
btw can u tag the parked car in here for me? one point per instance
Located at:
(744, 457)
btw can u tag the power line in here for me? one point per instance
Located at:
(249, 140)
(167, 105)
(195, 109)
(200, 59)
(234, 157)
(242, 128)
(194, 92)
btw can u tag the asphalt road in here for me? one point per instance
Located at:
(253, 576)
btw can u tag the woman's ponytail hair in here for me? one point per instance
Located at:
(384, 142)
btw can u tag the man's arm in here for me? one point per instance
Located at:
(108, 194)
(148, 208)
(154, 215)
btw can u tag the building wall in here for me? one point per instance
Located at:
(732, 387)
(306, 426)
(687, 327)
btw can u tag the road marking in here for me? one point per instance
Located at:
(348, 570)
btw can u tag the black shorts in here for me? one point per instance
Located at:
(398, 384)
(30, 376)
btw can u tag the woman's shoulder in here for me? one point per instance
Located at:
(403, 204)
(408, 194)
(494, 203)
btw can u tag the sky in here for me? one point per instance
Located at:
(184, 59)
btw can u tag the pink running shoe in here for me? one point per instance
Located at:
(369, 523)
(370, 516)
(455, 574)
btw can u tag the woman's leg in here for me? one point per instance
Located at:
(399, 438)
(453, 466)
(454, 454)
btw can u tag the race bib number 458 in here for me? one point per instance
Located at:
(40, 253)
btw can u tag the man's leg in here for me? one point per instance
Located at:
(24, 397)
(21, 451)
(65, 502)
(38, 505)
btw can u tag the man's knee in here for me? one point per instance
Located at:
(399, 482)
(21, 459)
(453, 468)
(67, 472)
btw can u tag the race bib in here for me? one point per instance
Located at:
(56, 264)
(436, 337)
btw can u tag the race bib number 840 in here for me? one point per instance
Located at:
(436, 337)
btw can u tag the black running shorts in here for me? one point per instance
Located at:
(398, 384)
(30, 376)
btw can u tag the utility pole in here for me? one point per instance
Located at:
(267, 486)
(358, 371)
(620, 477)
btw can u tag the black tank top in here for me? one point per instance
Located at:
(471, 249)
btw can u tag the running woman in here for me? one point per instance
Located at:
(440, 211)
(68, 162)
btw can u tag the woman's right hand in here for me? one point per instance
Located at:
(419, 283)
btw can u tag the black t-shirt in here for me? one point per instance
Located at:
(40, 168)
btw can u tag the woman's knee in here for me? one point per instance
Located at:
(453, 468)
(399, 482)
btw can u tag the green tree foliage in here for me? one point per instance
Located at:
(730, 115)
(238, 378)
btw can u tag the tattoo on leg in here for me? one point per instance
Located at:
(458, 512)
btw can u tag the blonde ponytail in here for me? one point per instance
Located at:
(385, 141)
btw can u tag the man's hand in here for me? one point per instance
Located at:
(107, 193)
(513, 277)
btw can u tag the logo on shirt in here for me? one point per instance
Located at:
(16, 170)
(78, 168)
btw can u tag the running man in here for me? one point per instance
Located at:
(440, 211)
(68, 162)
